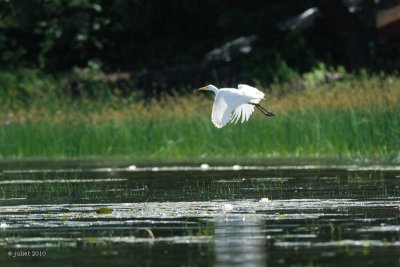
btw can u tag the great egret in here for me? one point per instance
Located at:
(230, 104)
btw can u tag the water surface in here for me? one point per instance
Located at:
(86, 213)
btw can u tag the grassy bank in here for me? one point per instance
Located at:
(352, 118)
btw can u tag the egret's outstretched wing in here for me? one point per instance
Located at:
(232, 104)
(244, 111)
(225, 102)
(221, 111)
(251, 91)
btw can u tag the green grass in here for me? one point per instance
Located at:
(326, 133)
(357, 117)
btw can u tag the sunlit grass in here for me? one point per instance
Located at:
(345, 119)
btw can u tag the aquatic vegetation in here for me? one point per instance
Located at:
(61, 188)
(104, 211)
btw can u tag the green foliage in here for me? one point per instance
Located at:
(58, 35)
(23, 88)
(316, 75)
(351, 133)
(19, 88)
(143, 35)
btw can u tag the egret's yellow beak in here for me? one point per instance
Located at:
(203, 88)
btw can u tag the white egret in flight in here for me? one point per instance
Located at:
(230, 104)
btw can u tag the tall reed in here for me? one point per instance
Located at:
(350, 118)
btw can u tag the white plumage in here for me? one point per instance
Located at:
(233, 104)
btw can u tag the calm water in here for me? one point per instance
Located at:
(278, 214)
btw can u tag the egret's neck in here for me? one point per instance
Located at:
(213, 88)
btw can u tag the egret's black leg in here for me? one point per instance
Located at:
(263, 110)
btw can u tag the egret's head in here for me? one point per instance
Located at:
(209, 87)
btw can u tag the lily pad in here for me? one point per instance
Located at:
(104, 211)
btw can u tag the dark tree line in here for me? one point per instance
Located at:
(140, 35)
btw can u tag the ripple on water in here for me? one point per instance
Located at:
(206, 167)
(272, 208)
(61, 181)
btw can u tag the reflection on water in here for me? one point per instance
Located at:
(275, 215)
(240, 241)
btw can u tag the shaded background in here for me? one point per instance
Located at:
(176, 44)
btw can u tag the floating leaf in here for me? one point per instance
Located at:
(64, 217)
(281, 217)
(104, 211)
